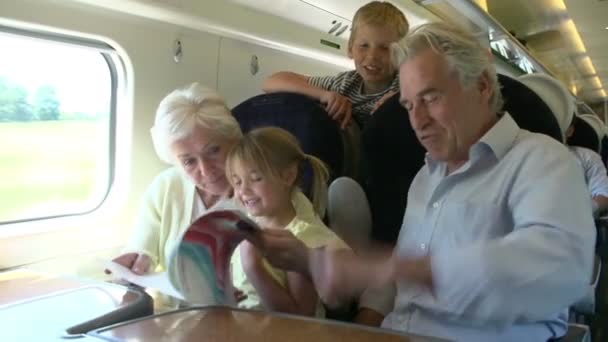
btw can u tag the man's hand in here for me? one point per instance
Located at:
(282, 249)
(340, 275)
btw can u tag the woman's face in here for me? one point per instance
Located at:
(202, 155)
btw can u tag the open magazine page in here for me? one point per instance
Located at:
(199, 267)
(159, 280)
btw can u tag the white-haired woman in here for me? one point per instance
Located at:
(193, 131)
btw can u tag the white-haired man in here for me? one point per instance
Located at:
(497, 238)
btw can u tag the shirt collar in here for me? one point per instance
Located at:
(498, 139)
(501, 136)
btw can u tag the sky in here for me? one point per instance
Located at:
(81, 76)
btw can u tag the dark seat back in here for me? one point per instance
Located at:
(391, 157)
(528, 109)
(584, 136)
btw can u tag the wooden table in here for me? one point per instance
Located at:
(19, 285)
(225, 325)
(38, 307)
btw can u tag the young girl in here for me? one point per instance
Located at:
(264, 170)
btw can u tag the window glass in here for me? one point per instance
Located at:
(56, 107)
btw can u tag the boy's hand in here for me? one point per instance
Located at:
(337, 106)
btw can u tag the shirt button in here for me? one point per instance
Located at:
(436, 205)
(422, 246)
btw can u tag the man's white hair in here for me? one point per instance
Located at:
(186, 108)
(463, 51)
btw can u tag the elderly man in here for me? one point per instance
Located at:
(497, 239)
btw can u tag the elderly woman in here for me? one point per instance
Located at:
(193, 131)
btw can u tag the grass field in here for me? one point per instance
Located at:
(52, 167)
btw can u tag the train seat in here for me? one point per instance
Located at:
(528, 109)
(598, 129)
(584, 135)
(391, 156)
(555, 95)
(305, 118)
(348, 212)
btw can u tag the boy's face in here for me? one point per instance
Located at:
(372, 55)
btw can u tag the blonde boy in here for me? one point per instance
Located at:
(358, 92)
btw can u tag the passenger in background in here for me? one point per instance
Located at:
(264, 170)
(359, 92)
(497, 240)
(595, 173)
(193, 131)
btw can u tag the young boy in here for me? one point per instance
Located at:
(358, 92)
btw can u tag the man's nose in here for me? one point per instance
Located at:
(419, 117)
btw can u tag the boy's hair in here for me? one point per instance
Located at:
(379, 13)
(272, 150)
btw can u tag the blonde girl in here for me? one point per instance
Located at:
(264, 168)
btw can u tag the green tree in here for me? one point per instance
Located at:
(13, 102)
(46, 104)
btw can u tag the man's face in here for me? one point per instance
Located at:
(446, 117)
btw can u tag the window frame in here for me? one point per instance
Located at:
(116, 68)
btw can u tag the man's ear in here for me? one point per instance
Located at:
(484, 85)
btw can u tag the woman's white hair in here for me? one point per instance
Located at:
(463, 51)
(186, 108)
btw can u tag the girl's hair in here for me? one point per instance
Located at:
(272, 150)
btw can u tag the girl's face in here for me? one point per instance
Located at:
(261, 195)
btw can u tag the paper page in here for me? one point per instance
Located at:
(159, 281)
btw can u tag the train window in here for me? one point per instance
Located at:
(57, 108)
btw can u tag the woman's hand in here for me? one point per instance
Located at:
(137, 263)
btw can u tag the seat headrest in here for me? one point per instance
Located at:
(528, 110)
(303, 117)
(584, 135)
(596, 123)
(555, 95)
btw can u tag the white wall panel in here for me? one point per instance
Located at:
(235, 80)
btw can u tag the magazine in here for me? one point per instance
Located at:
(198, 270)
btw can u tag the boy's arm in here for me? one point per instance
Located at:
(274, 297)
(337, 106)
(292, 82)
